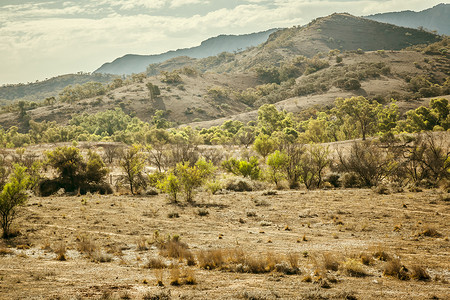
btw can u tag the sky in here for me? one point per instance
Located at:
(43, 39)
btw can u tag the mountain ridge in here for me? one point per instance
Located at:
(434, 18)
(134, 63)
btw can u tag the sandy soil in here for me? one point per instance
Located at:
(340, 223)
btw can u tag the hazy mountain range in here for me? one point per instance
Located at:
(436, 18)
(132, 63)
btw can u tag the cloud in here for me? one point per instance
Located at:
(179, 3)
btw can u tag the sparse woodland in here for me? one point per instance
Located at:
(347, 200)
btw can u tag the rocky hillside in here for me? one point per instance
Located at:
(131, 63)
(435, 18)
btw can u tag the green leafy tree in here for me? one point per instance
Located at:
(244, 168)
(170, 185)
(192, 177)
(70, 165)
(132, 164)
(276, 162)
(264, 145)
(96, 170)
(13, 195)
(361, 111)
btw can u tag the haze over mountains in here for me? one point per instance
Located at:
(132, 63)
(435, 18)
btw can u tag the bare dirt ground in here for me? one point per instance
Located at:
(316, 225)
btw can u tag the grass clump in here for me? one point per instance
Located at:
(395, 269)
(419, 273)
(354, 268)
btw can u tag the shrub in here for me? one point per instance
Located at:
(395, 269)
(13, 195)
(132, 164)
(239, 185)
(419, 273)
(170, 185)
(276, 162)
(368, 162)
(193, 177)
(354, 268)
(244, 168)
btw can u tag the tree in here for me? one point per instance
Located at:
(13, 195)
(292, 168)
(170, 185)
(193, 177)
(132, 163)
(312, 165)
(70, 165)
(276, 162)
(264, 145)
(361, 111)
(96, 170)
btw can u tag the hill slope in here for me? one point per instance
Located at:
(48, 88)
(130, 63)
(337, 31)
(435, 18)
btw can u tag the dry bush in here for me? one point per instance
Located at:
(430, 232)
(61, 252)
(354, 268)
(6, 251)
(175, 274)
(210, 259)
(155, 263)
(174, 248)
(395, 269)
(161, 295)
(86, 245)
(330, 262)
(101, 257)
(419, 273)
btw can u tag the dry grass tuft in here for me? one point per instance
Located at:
(6, 251)
(419, 273)
(61, 252)
(354, 268)
(430, 232)
(155, 263)
(211, 259)
(86, 245)
(330, 262)
(395, 269)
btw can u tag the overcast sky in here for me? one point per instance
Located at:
(42, 39)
